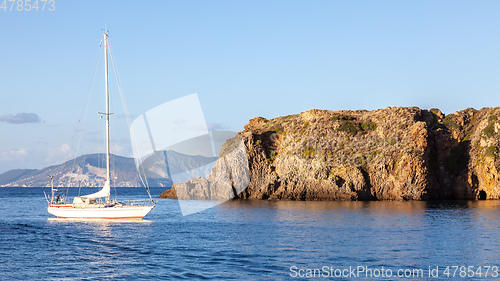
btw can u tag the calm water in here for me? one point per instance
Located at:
(250, 240)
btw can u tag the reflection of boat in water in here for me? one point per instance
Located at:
(100, 221)
(99, 205)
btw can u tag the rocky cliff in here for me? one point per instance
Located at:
(393, 153)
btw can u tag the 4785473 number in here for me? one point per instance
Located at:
(28, 5)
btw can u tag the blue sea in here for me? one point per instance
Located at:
(253, 240)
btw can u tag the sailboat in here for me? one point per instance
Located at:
(99, 205)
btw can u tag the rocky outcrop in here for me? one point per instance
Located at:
(393, 153)
(228, 177)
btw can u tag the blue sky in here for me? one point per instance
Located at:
(243, 58)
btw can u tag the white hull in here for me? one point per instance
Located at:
(99, 212)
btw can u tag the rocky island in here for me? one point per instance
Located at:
(395, 153)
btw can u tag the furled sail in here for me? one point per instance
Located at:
(104, 192)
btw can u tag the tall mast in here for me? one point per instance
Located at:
(108, 157)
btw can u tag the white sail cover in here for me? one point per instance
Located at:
(104, 192)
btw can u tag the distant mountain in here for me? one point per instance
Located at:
(171, 163)
(89, 170)
(14, 175)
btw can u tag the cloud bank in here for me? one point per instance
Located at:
(21, 118)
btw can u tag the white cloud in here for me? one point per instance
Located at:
(18, 158)
(19, 152)
(13, 154)
(59, 154)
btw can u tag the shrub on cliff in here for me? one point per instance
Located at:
(491, 151)
(350, 127)
(450, 123)
(489, 131)
(370, 126)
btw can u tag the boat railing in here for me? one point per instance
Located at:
(144, 202)
(57, 198)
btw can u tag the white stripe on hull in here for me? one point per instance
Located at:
(122, 212)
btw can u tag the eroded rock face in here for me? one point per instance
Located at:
(393, 153)
(475, 158)
(228, 178)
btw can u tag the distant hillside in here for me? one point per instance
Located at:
(89, 170)
(14, 175)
